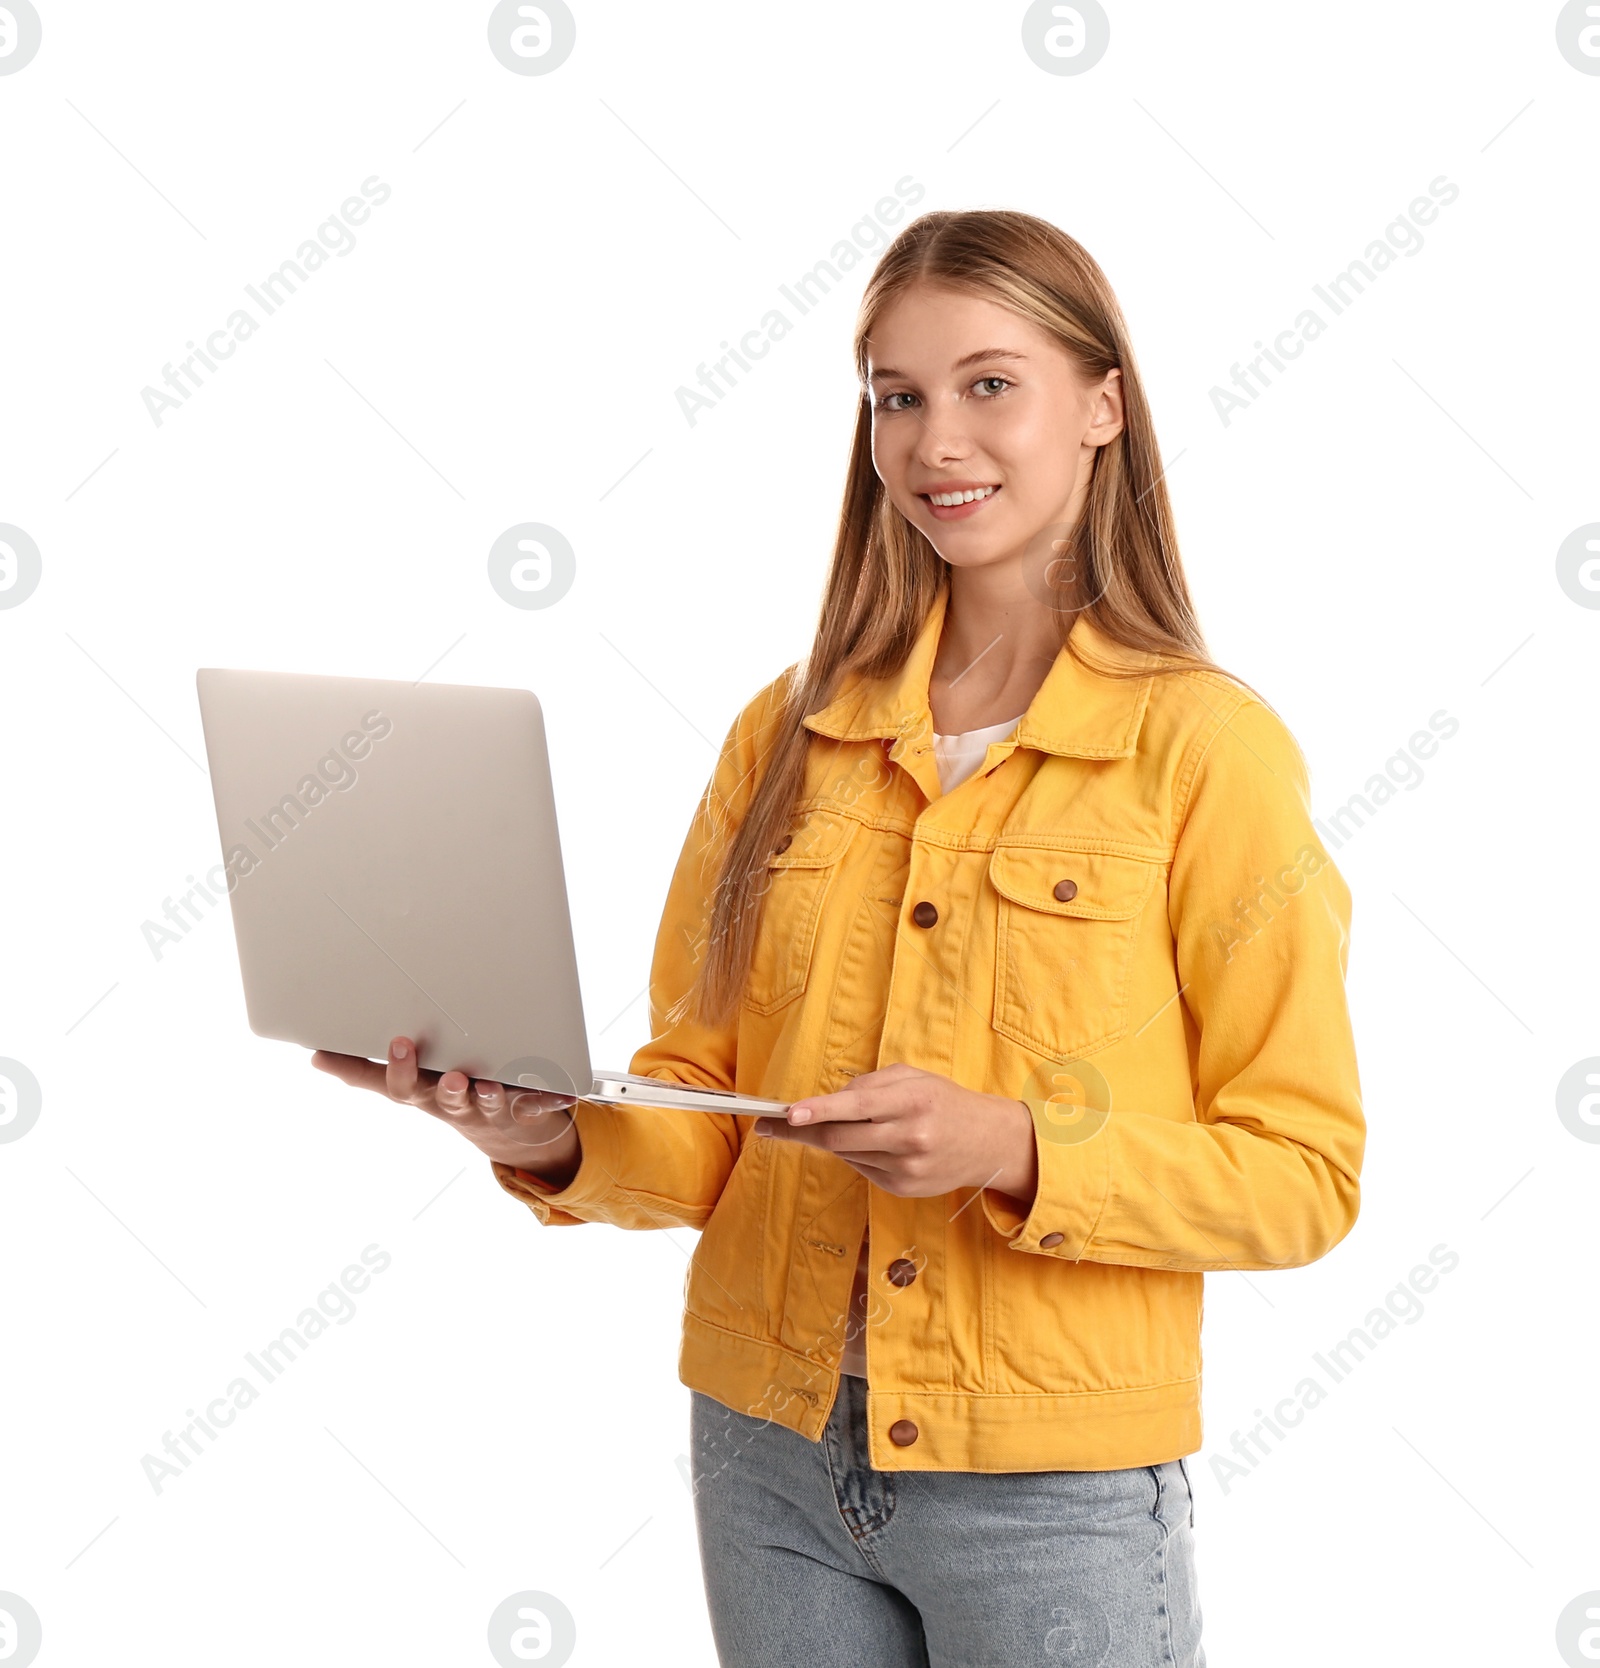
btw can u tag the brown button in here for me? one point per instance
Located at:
(902, 1271)
(1066, 890)
(783, 844)
(1052, 1239)
(902, 1433)
(924, 914)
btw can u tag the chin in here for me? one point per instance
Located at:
(972, 555)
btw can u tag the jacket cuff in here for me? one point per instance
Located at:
(559, 1207)
(1074, 1159)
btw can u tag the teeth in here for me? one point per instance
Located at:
(947, 500)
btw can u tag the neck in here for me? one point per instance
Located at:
(996, 647)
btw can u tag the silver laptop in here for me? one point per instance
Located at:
(392, 859)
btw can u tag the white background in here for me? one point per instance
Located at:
(1372, 541)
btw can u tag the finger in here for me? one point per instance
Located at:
(841, 1106)
(489, 1099)
(401, 1076)
(774, 1129)
(862, 1102)
(849, 1140)
(526, 1113)
(534, 1106)
(877, 1174)
(417, 1085)
(841, 1137)
(351, 1069)
(452, 1094)
(888, 1140)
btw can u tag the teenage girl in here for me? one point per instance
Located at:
(1016, 897)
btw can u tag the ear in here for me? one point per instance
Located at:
(1105, 410)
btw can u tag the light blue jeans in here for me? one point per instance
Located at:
(814, 1560)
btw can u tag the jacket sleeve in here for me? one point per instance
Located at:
(650, 1167)
(1265, 1173)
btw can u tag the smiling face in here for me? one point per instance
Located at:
(984, 430)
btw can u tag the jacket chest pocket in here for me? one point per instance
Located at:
(1064, 944)
(799, 876)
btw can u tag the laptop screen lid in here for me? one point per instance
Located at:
(393, 864)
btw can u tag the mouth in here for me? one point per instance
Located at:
(958, 505)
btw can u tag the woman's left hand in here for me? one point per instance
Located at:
(918, 1134)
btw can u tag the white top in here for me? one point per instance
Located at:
(957, 756)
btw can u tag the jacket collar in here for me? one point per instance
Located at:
(1074, 712)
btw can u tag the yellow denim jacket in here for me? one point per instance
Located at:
(1137, 932)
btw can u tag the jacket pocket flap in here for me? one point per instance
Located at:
(1100, 886)
(817, 842)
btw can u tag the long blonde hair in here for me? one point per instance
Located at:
(885, 575)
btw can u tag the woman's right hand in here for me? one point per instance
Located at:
(529, 1129)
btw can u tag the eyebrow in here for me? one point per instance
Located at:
(885, 371)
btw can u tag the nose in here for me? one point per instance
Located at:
(941, 438)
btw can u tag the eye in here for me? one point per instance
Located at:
(1004, 383)
(884, 405)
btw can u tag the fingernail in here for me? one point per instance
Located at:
(399, 1051)
(799, 1114)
